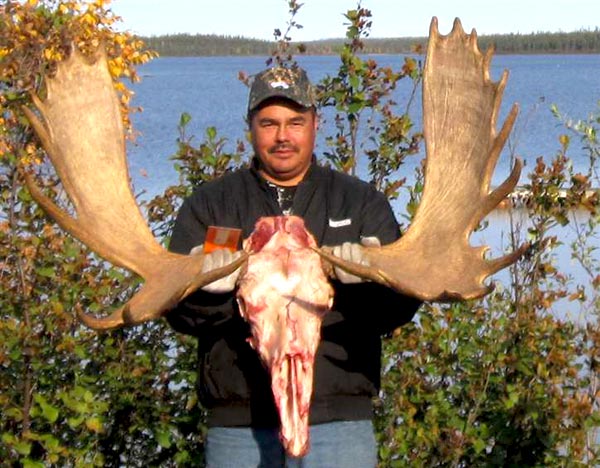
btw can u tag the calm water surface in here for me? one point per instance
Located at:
(208, 88)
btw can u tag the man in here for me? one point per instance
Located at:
(339, 210)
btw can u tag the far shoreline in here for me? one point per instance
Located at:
(585, 42)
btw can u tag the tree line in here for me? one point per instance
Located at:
(179, 45)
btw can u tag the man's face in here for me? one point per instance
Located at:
(283, 137)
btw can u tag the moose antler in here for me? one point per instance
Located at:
(434, 260)
(82, 132)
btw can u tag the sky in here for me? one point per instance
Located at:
(323, 19)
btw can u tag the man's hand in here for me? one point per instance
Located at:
(353, 252)
(217, 259)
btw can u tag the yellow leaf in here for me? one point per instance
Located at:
(564, 139)
(575, 296)
(52, 55)
(94, 425)
(88, 18)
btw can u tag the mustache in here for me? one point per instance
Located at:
(282, 147)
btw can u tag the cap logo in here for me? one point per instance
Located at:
(279, 84)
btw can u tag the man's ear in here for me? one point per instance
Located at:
(249, 132)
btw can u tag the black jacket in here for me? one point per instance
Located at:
(232, 382)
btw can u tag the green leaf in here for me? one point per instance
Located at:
(49, 412)
(479, 445)
(14, 413)
(46, 272)
(22, 448)
(184, 119)
(24, 196)
(116, 274)
(163, 437)
(8, 439)
(512, 400)
(75, 422)
(356, 107)
(27, 463)
(50, 442)
(211, 133)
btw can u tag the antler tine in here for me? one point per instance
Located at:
(162, 292)
(81, 130)
(496, 196)
(434, 260)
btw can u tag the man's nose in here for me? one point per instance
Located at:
(282, 133)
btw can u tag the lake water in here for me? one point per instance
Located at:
(208, 88)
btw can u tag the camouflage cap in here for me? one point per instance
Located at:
(288, 83)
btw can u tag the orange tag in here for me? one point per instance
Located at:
(221, 238)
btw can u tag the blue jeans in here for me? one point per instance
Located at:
(347, 444)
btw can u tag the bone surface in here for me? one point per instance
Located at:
(284, 295)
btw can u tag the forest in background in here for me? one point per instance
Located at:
(180, 45)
